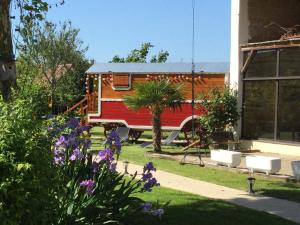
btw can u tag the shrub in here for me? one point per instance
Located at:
(39, 99)
(27, 172)
(221, 109)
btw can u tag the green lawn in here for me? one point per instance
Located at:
(267, 186)
(188, 209)
(98, 137)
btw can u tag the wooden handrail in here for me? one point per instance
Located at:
(87, 104)
(80, 103)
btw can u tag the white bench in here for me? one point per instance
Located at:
(296, 169)
(225, 157)
(263, 164)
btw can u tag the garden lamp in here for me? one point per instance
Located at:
(251, 182)
(125, 163)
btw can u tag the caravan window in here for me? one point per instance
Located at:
(121, 81)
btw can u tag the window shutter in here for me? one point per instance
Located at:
(121, 80)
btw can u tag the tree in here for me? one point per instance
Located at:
(156, 95)
(7, 74)
(57, 56)
(140, 55)
(29, 11)
(160, 58)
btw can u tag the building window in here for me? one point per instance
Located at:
(259, 110)
(121, 81)
(271, 102)
(263, 65)
(289, 110)
(289, 62)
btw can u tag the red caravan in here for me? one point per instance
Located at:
(108, 83)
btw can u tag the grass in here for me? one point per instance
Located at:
(188, 209)
(266, 186)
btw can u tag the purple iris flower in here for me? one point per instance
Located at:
(61, 141)
(149, 167)
(59, 157)
(146, 176)
(77, 154)
(158, 213)
(147, 206)
(149, 184)
(95, 167)
(114, 139)
(73, 143)
(113, 167)
(73, 157)
(87, 143)
(73, 134)
(114, 135)
(72, 123)
(84, 128)
(106, 154)
(88, 185)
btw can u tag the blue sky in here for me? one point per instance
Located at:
(111, 27)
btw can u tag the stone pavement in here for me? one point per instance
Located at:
(283, 208)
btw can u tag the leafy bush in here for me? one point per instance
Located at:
(91, 191)
(221, 109)
(61, 182)
(27, 172)
(39, 99)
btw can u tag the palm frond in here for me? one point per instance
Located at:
(156, 94)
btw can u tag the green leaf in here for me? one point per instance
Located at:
(70, 208)
(23, 166)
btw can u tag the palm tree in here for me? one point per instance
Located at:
(156, 95)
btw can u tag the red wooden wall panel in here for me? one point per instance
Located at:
(118, 111)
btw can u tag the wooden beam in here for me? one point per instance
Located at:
(248, 61)
(269, 47)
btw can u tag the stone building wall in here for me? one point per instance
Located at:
(261, 13)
